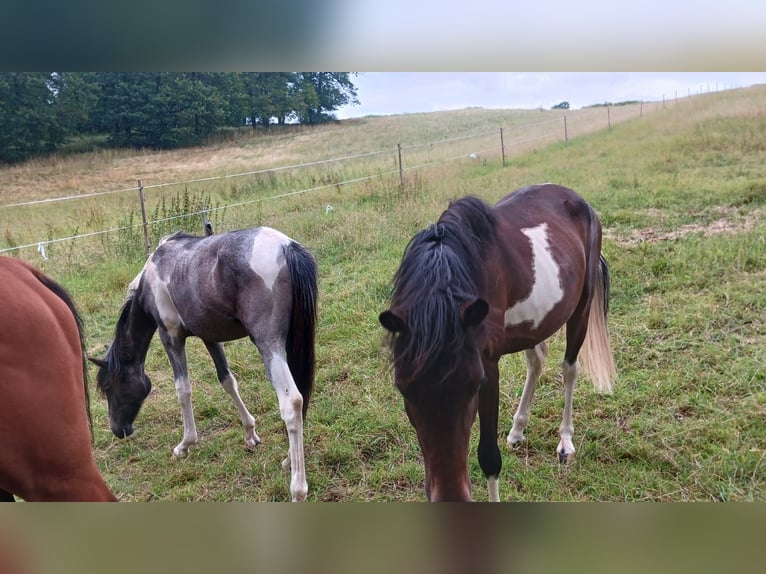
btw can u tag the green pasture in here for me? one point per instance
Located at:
(681, 192)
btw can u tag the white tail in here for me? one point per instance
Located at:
(596, 357)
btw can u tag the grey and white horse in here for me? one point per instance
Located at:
(255, 283)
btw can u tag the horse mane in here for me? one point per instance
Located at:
(128, 324)
(442, 268)
(114, 365)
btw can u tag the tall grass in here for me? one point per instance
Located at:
(687, 420)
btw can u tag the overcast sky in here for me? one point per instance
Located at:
(384, 93)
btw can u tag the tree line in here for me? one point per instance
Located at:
(41, 111)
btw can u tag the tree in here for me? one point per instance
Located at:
(269, 95)
(76, 93)
(28, 121)
(184, 110)
(561, 106)
(162, 109)
(324, 92)
(40, 111)
(120, 109)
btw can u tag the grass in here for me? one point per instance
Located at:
(681, 193)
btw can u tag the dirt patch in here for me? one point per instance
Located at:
(731, 223)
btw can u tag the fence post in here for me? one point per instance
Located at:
(642, 108)
(143, 216)
(566, 133)
(608, 117)
(401, 170)
(502, 146)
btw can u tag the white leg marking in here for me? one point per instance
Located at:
(492, 489)
(535, 358)
(290, 407)
(183, 390)
(566, 449)
(546, 288)
(248, 421)
(264, 259)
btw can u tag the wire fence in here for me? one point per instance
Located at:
(500, 143)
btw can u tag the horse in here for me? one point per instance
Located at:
(255, 283)
(481, 283)
(45, 432)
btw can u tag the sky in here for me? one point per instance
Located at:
(385, 93)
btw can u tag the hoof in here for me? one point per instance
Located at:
(180, 452)
(566, 458)
(515, 443)
(252, 443)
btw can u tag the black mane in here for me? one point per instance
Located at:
(132, 334)
(442, 268)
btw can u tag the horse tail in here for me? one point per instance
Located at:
(302, 329)
(596, 353)
(62, 294)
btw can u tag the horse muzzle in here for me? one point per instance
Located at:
(122, 431)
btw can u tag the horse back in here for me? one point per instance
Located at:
(548, 250)
(208, 286)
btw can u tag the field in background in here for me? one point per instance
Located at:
(681, 192)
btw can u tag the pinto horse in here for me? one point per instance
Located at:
(255, 283)
(45, 437)
(481, 283)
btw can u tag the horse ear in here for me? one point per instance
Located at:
(392, 322)
(98, 362)
(475, 313)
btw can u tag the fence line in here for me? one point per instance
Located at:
(269, 169)
(199, 212)
(400, 169)
(66, 198)
(450, 140)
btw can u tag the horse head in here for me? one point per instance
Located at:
(441, 398)
(125, 386)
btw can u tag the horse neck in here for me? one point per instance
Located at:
(134, 333)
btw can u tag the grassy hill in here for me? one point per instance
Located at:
(681, 192)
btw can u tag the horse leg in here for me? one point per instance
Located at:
(570, 367)
(291, 410)
(565, 448)
(229, 383)
(176, 349)
(489, 454)
(535, 358)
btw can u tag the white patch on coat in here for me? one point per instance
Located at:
(169, 316)
(267, 248)
(133, 285)
(546, 286)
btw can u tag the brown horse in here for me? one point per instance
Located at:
(45, 440)
(481, 283)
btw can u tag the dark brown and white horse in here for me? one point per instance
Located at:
(45, 438)
(481, 283)
(255, 283)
